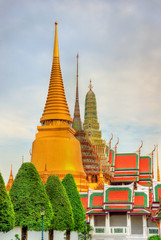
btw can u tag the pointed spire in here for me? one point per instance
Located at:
(56, 47)
(77, 125)
(158, 171)
(90, 85)
(11, 175)
(56, 107)
(10, 180)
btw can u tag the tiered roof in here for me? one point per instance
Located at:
(118, 198)
(126, 167)
(133, 199)
(130, 167)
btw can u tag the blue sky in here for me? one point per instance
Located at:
(119, 46)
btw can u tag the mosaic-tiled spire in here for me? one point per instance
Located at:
(77, 125)
(56, 107)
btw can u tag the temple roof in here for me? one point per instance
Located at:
(56, 107)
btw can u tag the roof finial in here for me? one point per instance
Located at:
(56, 48)
(116, 145)
(90, 85)
(158, 171)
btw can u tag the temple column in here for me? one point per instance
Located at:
(91, 218)
(107, 223)
(128, 225)
(144, 226)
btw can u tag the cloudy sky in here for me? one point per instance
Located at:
(119, 46)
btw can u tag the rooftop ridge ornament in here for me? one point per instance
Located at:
(116, 145)
(158, 171)
(90, 86)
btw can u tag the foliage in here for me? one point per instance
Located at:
(63, 216)
(89, 228)
(154, 237)
(28, 195)
(7, 215)
(17, 237)
(75, 200)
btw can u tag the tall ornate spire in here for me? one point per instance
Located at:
(158, 171)
(77, 125)
(55, 146)
(56, 107)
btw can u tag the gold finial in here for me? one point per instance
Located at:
(56, 48)
(158, 171)
(152, 153)
(110, 140)
(90, 86)
(140, 147)
(116, 144)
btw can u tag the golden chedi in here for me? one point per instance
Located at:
(55, 149)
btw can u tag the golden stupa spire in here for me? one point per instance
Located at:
(158, 171)
(55, 146)
(56, 107)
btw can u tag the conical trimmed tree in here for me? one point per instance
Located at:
(75, 200)
(7, 215)
(63, 215)
(28, 195)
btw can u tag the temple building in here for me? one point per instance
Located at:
(129, 207)
(55, 149)
(120, 195)
(91, 128)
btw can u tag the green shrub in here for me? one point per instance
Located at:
(28, 195)
(63, 216)
(7, 215)
(75, 200)
(16, 237)
(154, 237)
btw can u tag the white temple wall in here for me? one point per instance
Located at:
(127, 228)
(33, 235)
(10, 235)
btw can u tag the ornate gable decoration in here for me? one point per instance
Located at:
(118, 197)
(95, 199)
(156, 191)
(126, 167)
